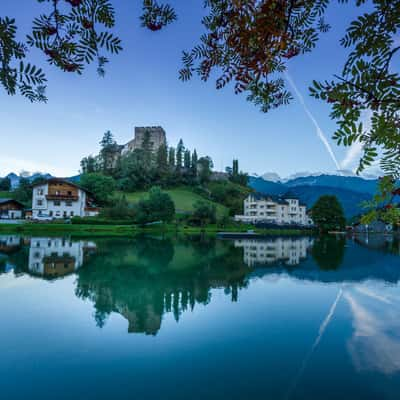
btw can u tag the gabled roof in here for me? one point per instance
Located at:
(61, 180)
(4, 201)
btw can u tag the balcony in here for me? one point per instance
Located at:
(62, 196)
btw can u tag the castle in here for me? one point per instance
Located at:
(157, 134)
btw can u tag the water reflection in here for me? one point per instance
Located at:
(289, 251)
(349, 305)
(56, 257)
(141, 279)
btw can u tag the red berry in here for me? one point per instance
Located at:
(74, 3)
(87, 24)
(154, 27)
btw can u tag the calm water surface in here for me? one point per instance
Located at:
(195, 318)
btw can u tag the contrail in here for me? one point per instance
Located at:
(319, 131)
(321, 331)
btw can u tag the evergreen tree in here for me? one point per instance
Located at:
(194, 163)
(235, 168)
(171, 157)
(187, 160)
(162, 162)
(108, 152)
(179, 155)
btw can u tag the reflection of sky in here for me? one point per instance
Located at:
(375, 343)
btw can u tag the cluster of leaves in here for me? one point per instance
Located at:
(249, 42)
(383, 205)
(74, 33)
(15, 75)
(365, 97)
(156, 16)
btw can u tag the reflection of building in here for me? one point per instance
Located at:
(261, 252)
(259, 208)
(54, 257)
(58, 198)
(9, 243)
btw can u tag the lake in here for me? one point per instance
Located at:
(199, 318)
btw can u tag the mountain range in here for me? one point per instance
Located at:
(351, 191)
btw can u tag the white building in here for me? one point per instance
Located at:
(58, 198)
(263, 252)
(55, 257)
(259, 208)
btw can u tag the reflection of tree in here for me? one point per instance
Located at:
(144, 278)
(328, 251)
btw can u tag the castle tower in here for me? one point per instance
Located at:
(158, 137)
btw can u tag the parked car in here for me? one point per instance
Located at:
(43, 218)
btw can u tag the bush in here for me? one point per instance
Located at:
(204, 213)
(158, 207)
(99, 221)
(119, 210)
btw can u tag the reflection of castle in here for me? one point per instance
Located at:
(290, 251)
(54, 257)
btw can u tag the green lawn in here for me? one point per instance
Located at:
(183, 199)
(5, 195)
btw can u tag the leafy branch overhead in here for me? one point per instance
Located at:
(246, 43)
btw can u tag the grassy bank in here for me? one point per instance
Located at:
(183, 198)
(128, 230)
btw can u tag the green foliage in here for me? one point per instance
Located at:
(204, 169)
(237, 176)
(136, 173)
(229, 194)
(365, 95)
(23, 192)
(382, 206)
(100, 221)
(120, 209)
(15, 75)
(5, 184)
(75, 33)
(327, 214)
(204, 213)
(101, 186)
(157, 207)
(88, 165)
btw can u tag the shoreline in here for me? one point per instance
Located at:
(131, 230)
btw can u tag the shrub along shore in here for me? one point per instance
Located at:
(86, 230)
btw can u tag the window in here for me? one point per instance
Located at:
(57, 202)
(51, 213)
(72, 213)
(39, 202)
(68, 203)
(40, 192)
(69, 193)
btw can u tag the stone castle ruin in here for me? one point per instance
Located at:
(158, 138)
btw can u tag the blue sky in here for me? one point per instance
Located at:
(141, 88)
